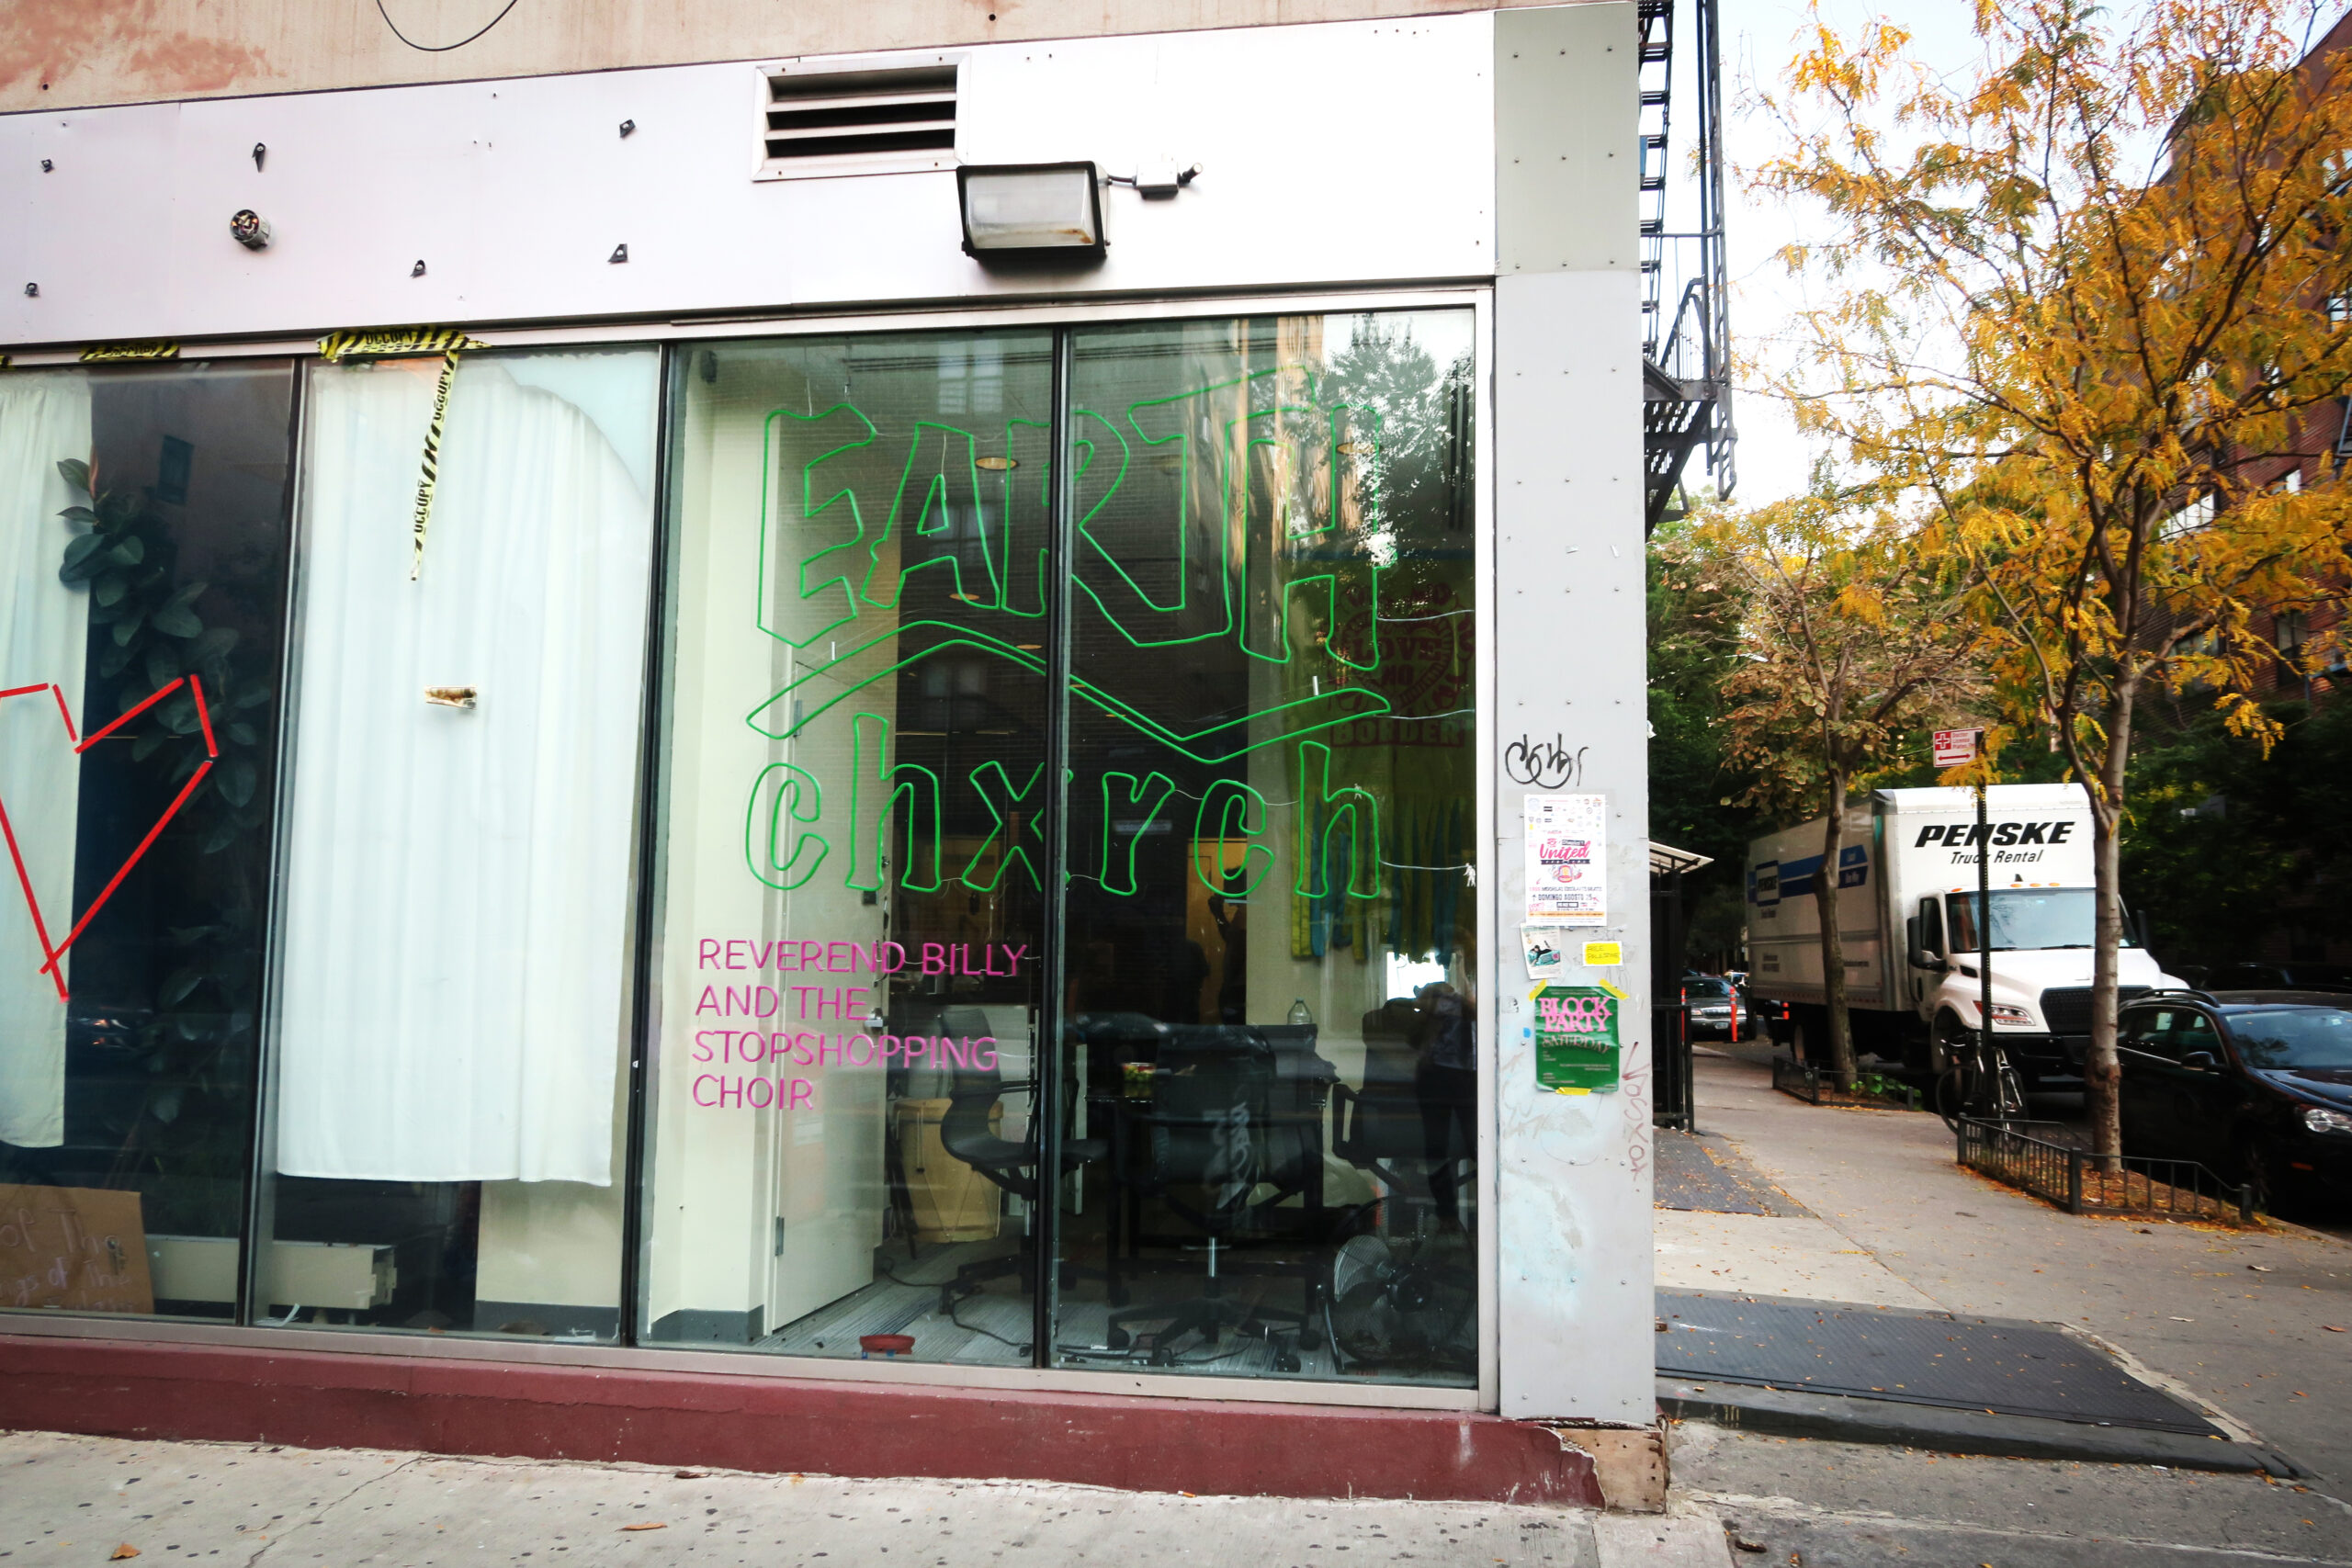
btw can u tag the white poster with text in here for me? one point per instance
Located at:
(1568, 881)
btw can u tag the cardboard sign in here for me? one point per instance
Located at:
(77, 1248)
(1574, 1034)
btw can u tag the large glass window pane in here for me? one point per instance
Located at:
(844, 1157)
(449, 1083)
(142, 539)
(1270, 941)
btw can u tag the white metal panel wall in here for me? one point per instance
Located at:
(1574, 1184)
(1332, 153)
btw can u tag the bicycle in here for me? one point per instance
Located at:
(1978, 1080)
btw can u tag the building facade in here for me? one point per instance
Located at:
(924, 718)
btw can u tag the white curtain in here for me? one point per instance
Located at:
(456, 905)
(45, 630)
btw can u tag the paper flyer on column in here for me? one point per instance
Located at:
(1568, 881)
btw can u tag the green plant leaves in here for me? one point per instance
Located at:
(80, 554)
(178, 620)
(237, 778)
(74, 472)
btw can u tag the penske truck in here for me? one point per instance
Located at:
(1907, 910)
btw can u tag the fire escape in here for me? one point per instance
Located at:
(1685, 375)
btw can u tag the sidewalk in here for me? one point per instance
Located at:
(1868, 1207)
(2241, 1321)
(78, 1501)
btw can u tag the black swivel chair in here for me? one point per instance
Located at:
(1378, 1122)
(1206, 1143)
(967, 1135)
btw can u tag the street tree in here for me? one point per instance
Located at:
(2078, 311)
(1848, 645)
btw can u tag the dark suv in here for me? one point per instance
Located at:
(2256, 1085)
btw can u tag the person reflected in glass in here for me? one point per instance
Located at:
(1445, 1080)
(1232, 916)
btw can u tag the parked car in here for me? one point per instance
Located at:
(1717, 1009)
(2256, 1086)
(2279, 977)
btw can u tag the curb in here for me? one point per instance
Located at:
(1847, 1420)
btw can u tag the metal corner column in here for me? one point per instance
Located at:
(1574, 1324)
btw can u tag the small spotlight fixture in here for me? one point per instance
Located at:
(250, 229)
(1032, 212)
(417, 271)
(620, 255)
(261, 151)
(628, 128)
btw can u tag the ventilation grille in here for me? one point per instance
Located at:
(2067, 1010)
(858, 122)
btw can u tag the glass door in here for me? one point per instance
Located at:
(854, 801)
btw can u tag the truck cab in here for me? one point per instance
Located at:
(2042, 943)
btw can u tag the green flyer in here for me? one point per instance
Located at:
(1574, 1034)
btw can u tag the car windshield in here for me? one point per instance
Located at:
(2028, 917)
(2293, 1037)
(1706, 988)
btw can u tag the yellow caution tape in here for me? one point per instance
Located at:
(396, 340)
(104, 353)
(444, 341)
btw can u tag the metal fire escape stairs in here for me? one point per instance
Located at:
(1686, 379)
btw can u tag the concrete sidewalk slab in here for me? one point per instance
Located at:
(2238, 1319)
(69, 1502)
(1770, 1254)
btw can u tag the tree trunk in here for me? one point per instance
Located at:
(1833, 944)
(2102, 1070)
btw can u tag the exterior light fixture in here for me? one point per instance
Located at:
(1035, 212)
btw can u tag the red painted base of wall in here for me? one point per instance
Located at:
(324, 1399)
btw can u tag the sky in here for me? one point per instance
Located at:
(1760, 39)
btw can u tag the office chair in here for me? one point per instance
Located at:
(966, 1134)
(1209, 1139)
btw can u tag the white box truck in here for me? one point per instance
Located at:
(1906, 909)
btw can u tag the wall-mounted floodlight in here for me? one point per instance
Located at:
(1032, 211)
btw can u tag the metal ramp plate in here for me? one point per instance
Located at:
(1910, 1358)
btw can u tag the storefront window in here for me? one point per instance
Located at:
(1239, 630)
(458, 911)
(1055, 786)
(1270, 1004)
(143, 575)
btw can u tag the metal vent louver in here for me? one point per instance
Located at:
(857, 122)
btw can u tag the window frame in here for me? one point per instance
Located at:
(673, 339)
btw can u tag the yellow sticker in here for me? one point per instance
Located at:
(1602, 954)
(1564, 1089)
